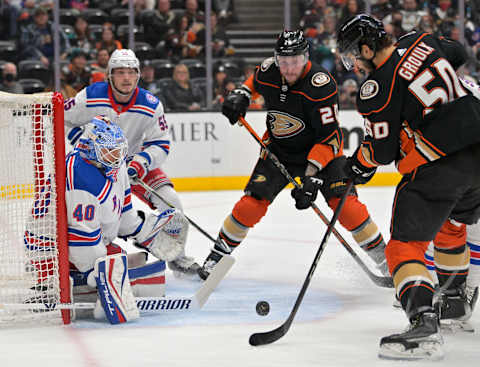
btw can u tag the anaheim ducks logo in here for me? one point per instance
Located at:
(267, 63)
(283, 125)
(259, 178)
(320, 79)
(369, 89)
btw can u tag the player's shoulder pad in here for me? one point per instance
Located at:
(267, 64)
(372, 96)
(318, 84)
(145, 98)
(84, 176)
(97, 90)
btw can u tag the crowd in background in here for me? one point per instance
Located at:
(170, 43)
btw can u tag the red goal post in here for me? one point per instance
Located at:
(34, 264)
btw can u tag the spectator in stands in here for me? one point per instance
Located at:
(192, 13)
(36, 39)
(312, 19)
(348, 95)
(79, 73)
(351, 8)
(9, 79)
(108, 40)
(382, 8)
(78, 4)
(182, 96)
(427, 24)
(219, 81)
(8, 20)
(83, 39)
(99, 68)
(410, 16)
(158, 25)
(66, 89)
(220, 43)
(444, 15)
(178, 44)
(147, 80)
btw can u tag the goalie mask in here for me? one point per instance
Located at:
(360, 30)
(124, 58)
(104, 144)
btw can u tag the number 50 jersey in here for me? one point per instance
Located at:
(416, 109)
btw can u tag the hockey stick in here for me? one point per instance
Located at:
(381, 281)
(152, 191)
(147, 304)
(273, 335)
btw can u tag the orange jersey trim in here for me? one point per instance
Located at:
(249, 84)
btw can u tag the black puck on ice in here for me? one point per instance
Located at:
(263, 308)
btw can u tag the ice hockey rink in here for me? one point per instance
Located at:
(340, 322)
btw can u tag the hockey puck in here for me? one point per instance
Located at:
(263, 308)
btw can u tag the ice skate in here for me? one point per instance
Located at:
(213, 258)
(421, 340)
(455, 307)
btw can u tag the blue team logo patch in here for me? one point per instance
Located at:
(282, 125)
(151, 98)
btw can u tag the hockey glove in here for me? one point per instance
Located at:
(236, 104)
(75, 134)
(305, 196)
(138, 166)
(357, 171)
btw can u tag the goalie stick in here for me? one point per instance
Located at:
(148, 304)
(152, 191)
(273, 335)
(381, 281)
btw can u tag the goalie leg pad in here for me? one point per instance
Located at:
(115, 297)
(148, 280)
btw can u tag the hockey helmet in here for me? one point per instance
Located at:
(123, 58)
(103, 143)
(359, 30)
(291, 43)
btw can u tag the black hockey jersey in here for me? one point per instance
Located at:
(415, 107)
(302, 119)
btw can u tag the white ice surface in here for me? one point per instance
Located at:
(340, 321)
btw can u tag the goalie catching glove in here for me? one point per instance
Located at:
(163, 235)
(236, 104)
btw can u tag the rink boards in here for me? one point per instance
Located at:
(207, 153)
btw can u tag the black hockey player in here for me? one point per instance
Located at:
(419, 114)
(303, 132)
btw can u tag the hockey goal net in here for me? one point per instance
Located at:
(33, 228)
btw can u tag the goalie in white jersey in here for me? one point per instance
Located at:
(99, 210)
(141, 117)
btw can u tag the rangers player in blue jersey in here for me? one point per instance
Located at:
(141, 117)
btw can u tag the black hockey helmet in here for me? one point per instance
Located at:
(291, 43)
(362, 29)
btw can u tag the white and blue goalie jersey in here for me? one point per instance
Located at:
(98, 211)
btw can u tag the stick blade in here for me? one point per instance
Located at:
(267, 337)
(218, 273)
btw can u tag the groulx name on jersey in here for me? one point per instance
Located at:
(413, 61)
